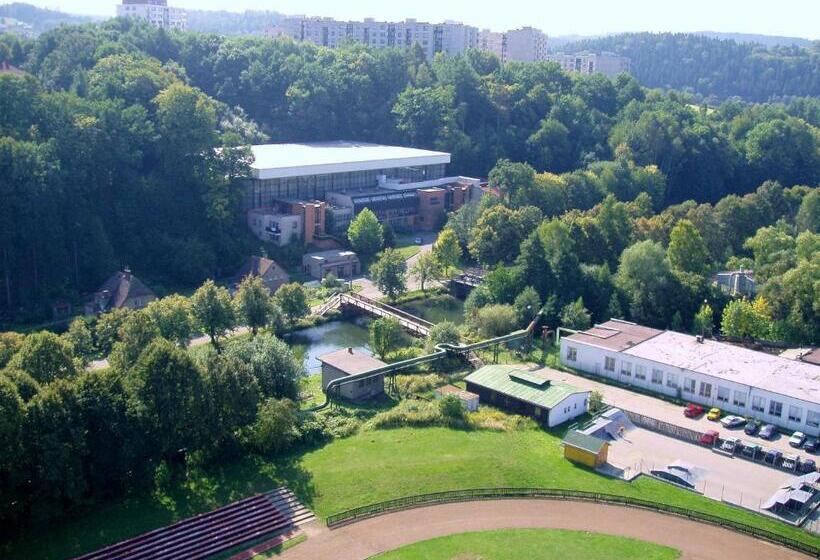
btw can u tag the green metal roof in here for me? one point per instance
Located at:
(518, 384)
(583, 441)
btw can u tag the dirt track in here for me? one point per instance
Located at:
(372, 536)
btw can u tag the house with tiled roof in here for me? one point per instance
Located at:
(272, 275)
(120, 290)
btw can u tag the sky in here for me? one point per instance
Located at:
(795, 18)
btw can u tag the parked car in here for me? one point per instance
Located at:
(810, 445)
(751, 428)
(772, 457)
(750, 449)
(789, 462)
(797, 439)
(729, 444)
(709, 437)
(732, 421)
(767, 431)
(806, 465)
(692, 410)
(714, 414)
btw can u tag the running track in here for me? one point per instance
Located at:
(363, 539)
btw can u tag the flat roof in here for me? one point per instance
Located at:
(276, 161)
(351, 361)
(509, 380)
(800, 380)
(330, 254)
(615, 335)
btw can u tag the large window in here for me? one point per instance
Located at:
(626, 369)
(640, 371)
(609, 364)
(572, 353)
(795, 414)
(775, 408)
(813, 418)
(657, 377)
(705, 390)
(672, 380)
(723, 394)
(688, 385)
(758, 404)
(739, 399)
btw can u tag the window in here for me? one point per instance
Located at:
(758, 404)
(723, 394)
(671, 380)
(775, 408)
(739, 399)
(657, 376)
(609, 364)
(705, 390)
(626, 369)
(572, 353)
(640, 372)
(688, 385)
(795, 414)
(813, 419)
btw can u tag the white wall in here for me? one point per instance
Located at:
(571, 407)
(591, 359)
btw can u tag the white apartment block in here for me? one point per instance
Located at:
(713, 374)
(606, 63)
(492, 41)
(449, 37)
(524, 45)
(156, 12)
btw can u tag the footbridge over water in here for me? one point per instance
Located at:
(361, 304)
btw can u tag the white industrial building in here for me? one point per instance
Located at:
(713, 374)
(155, 12)
(606, 63)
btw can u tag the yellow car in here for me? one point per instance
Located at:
(713, 414)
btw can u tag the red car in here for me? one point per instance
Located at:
(692, 410)
(709, 437)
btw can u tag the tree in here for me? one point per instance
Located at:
(596, 402)
(808, 215)
(212, 311)
(385, 333)
(292, 300)
(136, 333)
(272, 363)
(425, 269)
(774, 251)
(742, 320)
(389, 273)
(527, 305)
(445, 332)
(366, 234)
(81, 339)
(275, 428)
(233, 397)
(10, 343)
(165, 389)
(107, 329)
(451, 408)
(704, 321)
(12, 413)
(496, 320)
(447, 250)
(509, 177)
(172, 316)
(253, 303)
(687, 251)
(646, 281)
(46, 357)
(575, 316)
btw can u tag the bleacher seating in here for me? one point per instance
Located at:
(210, 533)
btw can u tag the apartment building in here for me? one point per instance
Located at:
(156, 12)
(526, 44)
(606, 63)
(450, 37)
(713, 374)
(492, 41)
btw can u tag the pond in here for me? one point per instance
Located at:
(322, 339)
(437, 309)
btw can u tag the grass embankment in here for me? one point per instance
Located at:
(369, 467)
(534, 544)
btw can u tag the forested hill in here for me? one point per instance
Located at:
(42, 19)
(715, 68)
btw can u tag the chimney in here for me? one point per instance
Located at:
(349, 349)
(699, 338)
(126, 273)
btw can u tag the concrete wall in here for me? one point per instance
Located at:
(356, 391)
(571, 407)
(676, 382)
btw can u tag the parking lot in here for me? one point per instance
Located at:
(720, 477)
(666, 411)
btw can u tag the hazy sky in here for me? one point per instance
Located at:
(799, 18)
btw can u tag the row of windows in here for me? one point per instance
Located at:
(705, 389)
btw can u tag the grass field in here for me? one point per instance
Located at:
(369, 467)
(533, 544)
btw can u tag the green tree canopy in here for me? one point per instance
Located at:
(389, 273)
(366, 234)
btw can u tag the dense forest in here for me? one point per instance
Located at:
(713, 68)
(108, 149)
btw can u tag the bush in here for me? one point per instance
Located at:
(451, 408)
(486, 418)
(417, 384)
(496, 320)
(413, 413)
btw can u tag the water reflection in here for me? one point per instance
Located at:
(316, 341)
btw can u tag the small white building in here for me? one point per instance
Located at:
(713, 374)
(468, 400)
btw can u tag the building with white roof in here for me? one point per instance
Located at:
(713, 374)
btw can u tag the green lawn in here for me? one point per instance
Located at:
(534, 544)
(369, 467)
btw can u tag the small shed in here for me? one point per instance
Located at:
(584, 449)
(349, 361)
(468, 400)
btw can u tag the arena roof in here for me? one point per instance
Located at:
(275, 161)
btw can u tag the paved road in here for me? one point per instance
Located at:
(663, 410)
(369, 289)
(387, 532)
